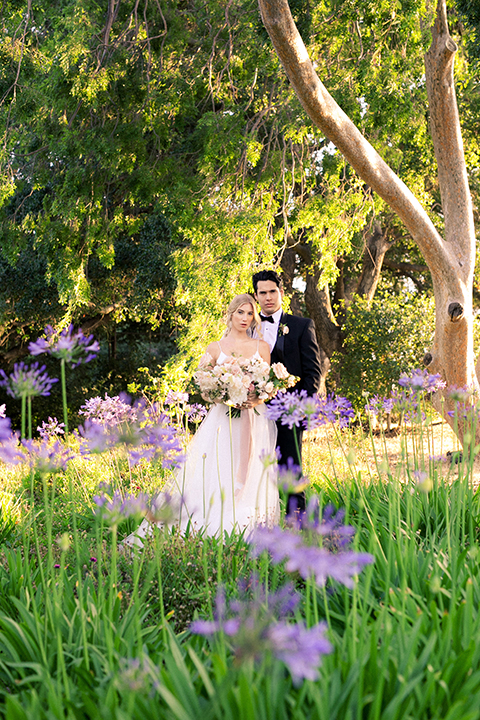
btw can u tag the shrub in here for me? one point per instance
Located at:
(382, 340)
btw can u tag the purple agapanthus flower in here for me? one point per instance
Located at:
(407, 402)
(120, 507)
(260, 624)
(378, 405)
(196, 412)
(110, 411)
(51, 429)
(143, 435)
(291, 478)
(10, 450)
(334, 409)
(288, 408)
(94, 438)
(5, 428)
(329, 524)
(300, 648)
(27, 381)
(299, 410)
(47, 457)
(74, 348)
(306, 559)
(176, 398)
(422, 380)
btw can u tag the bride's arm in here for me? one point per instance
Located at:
(264, 351)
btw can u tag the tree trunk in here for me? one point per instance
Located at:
(450, 261)
(377, 246)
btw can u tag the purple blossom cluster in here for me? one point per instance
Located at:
(299, 410)
(10, 451)
(109, 411)
(308, 560)
(145, 436)
(465, 402)
(113, 506)
(176, 398)
(329, 524)
(27, 381)
(117, 507)
(260, 624)
(378, 405)
(196, 412)
(291, 478)
(51, 429)
(407, 400)
(422, 381)
(46, 456)
(74, 348)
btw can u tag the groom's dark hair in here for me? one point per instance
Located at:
(266, 275)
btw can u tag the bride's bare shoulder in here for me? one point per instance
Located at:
(211, 354)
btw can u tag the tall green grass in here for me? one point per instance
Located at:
(86, 632)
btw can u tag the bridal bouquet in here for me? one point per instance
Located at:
(238, 379)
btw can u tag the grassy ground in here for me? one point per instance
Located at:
(88, 633)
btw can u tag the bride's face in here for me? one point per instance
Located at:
(242, 318)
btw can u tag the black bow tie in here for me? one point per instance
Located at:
(267, 318)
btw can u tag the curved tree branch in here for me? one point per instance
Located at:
(337, 126)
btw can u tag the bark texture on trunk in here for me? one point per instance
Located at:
(452, 352)
(450, 261)
(377, 246)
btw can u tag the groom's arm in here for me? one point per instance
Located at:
(310, 357)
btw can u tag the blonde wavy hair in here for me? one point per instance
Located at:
(237, 302)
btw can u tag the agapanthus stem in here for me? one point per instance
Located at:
(29, 414)
(297, 447)
(24, 412)
(64, 395)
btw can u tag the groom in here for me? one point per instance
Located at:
(292, 342)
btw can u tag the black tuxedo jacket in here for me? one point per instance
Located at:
(298, 350)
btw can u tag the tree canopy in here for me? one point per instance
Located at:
(153, 148)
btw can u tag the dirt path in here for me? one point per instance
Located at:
(326, 452)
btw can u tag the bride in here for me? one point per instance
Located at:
(224, 483)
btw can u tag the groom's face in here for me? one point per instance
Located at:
(269, 296)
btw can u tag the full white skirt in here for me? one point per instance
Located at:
(225, 482)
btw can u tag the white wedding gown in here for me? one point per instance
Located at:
(223, 482)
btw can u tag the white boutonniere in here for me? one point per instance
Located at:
(284, 329)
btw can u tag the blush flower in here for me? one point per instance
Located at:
(50, 429)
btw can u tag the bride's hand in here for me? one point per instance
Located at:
(252, 400)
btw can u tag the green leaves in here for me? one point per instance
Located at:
(382, 340)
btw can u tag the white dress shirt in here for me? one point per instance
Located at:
(270, 330)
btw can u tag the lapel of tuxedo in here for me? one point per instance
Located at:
(280, 343)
